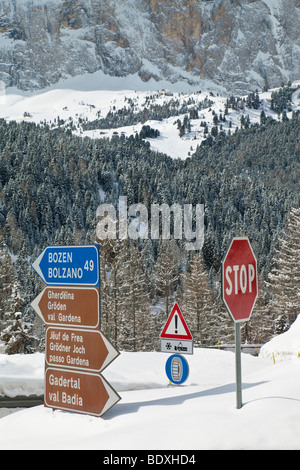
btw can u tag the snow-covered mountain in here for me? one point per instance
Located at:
(238, 45)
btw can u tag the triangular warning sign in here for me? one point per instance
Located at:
(176, 327)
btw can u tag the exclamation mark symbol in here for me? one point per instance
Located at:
(176, 323)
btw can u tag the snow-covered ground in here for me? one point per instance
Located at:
(94, 95)
(151, 415)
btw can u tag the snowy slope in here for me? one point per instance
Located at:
(200, 414)
(91, 95)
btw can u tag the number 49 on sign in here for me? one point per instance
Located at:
(89, 265)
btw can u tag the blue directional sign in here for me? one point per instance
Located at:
(69, 265)
(177, 369)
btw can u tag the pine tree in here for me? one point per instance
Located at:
(17, 336)
(167, 272)
(125, 300)
(112, 302)
(284, 278)
(260, 328)
(198, 302)
(8, 286)
(137, 326)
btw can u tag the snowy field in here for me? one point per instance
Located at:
(151, 415)
(89, 96)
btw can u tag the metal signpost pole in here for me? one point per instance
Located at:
(239, 293)
(238, 368)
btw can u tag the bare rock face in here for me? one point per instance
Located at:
(241, 45)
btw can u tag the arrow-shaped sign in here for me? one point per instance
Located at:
(69, 265)
(70, 306)
(78, 349)
(80, 392)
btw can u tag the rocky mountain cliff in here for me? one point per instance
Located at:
(238, 44)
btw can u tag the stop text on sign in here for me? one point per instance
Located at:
(239, 278)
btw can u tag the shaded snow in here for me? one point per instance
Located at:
(284, 346)
(200, 414)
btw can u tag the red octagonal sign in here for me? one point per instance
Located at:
(239, 279)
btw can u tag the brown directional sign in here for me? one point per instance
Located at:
(71, 306)
(80, 392)
(78, 349)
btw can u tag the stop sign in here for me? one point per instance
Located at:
(239, 279)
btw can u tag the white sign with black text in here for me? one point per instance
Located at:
(176, 346)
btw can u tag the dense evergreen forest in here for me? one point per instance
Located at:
(51, 183)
